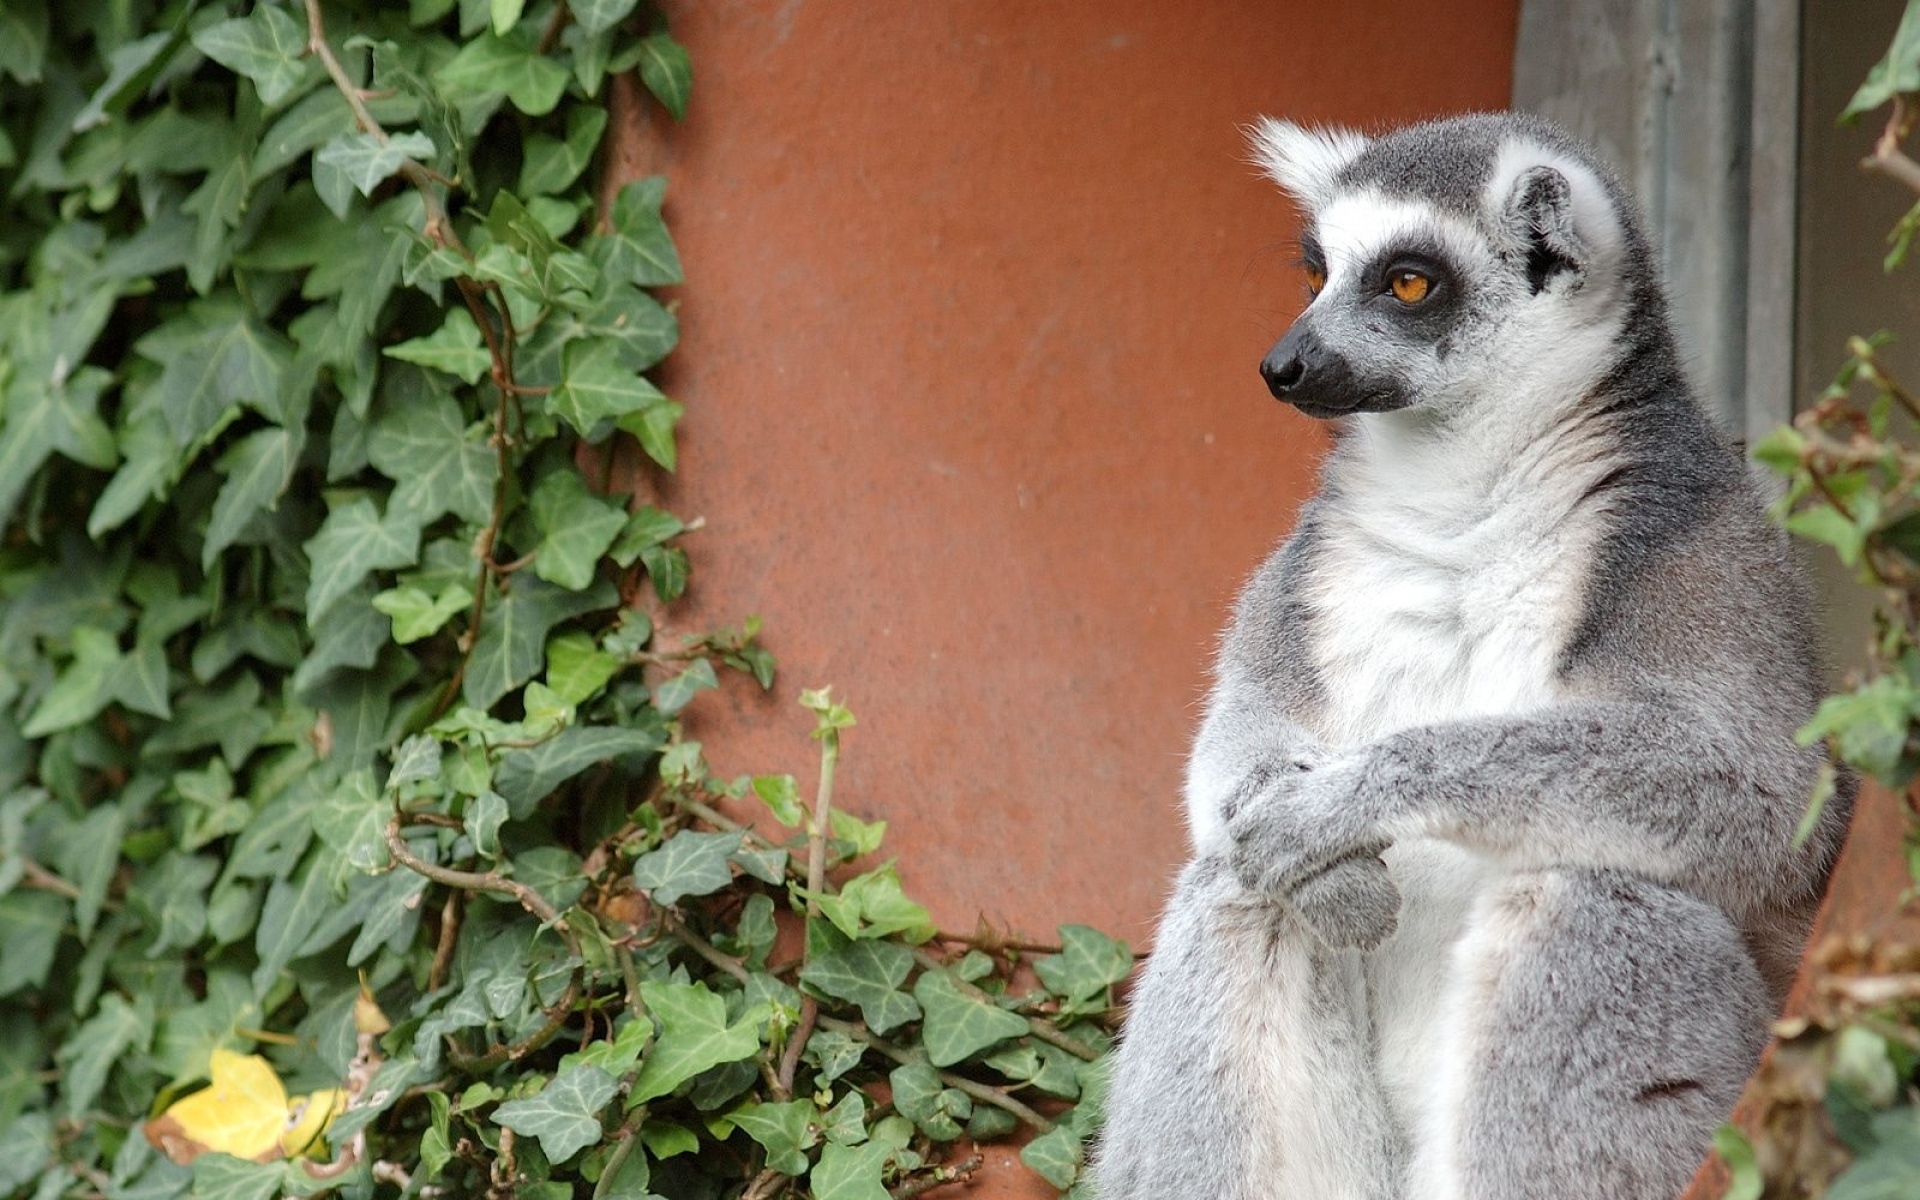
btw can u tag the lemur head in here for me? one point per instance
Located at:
(1449, 263)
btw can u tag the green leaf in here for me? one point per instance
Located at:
(1089, 962)
(551, 164)
(211, 359)
(654, 426)
(667, 72)
(292, 910)
(440, 463)
(83, 688)
(505, 15)
(30, 928)
(598, 16)
(259, 469)
(873, 905)
(565, 1115)
(353, 820)
(781, 795)
(92, 1049)
(354, 541)
(687, 864)
(1055, 1156)
(784, 1130)
(577, 669)
(674, 694)
(851, 1172)
(150, 461)
(636, 247)
(23, 39)
(576, 527)
(694, 1036)
(921, 1097)
(530, 775)
(491, 66)
(868, 974)
(1897, 72)
(513, 634)
(368, 159)
(1870, 726)
(223, 1177)
(48, 416)
(454, 348)
(417, 615)
(957, 1026)
(594, 387)
(1888, 1170)
(267, 46)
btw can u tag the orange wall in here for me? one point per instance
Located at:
(976, 292)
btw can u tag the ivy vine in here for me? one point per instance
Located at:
(341, 760)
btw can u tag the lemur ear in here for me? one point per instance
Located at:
(1540, 214)
(1301, 160)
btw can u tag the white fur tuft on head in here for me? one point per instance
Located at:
(1305, 161)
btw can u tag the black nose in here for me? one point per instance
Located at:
(1283, 373)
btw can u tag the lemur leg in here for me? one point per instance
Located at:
(1246, 1071)
(1605, 1025)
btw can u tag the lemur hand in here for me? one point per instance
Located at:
(1292, 826)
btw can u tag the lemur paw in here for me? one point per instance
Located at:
(1292, 827)
(1352, 904)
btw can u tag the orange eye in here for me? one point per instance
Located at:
(1316, 279)
(1410, 287)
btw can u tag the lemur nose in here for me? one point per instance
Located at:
(1283, 373)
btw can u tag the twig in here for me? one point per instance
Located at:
(816, 882)
(940, 1176)
(1887, 157)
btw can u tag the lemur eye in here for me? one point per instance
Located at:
(1410, 287)
(1316, 279)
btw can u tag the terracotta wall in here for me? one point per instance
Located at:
(976, 292)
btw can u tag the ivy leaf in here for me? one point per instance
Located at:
(1897, 72)
(368, 160)
(513, 634)
(292, 910)
(781, 795)
(259, 469)
(83, 688)
(674, 694)
(667, 71)
(454, 348)
(958, 1026)
(595, 387)
(418, 615)
(868, 974)
(784, 1130)
(551, 164)
(576, 528)
(267, 46)
(354, 541)
(48, 416)
(491, 66)
(353, 820)
(636, 247)
(438, 461)
(577, 669)
(213, 358)
(687, 864)
(530, 775)
(1055, 1156)
(150, 459)
(1088, 963)
(874, 905)
(851, 1172)
(598, 16)
(223, 1177)
(653, 427)
(565, 1115)
(23, 39)
(694, 1036)
(92, 1049)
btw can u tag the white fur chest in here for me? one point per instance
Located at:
(1439, 597)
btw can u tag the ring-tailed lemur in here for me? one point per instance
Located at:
(1494, 885)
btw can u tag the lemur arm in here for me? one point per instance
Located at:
(1661, 790)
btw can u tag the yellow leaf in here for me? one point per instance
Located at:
(308, 1118)
(244, 1112)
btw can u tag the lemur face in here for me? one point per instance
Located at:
(1439, 260)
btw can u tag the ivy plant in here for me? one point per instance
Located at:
(342, 764)
(1834, 1109)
